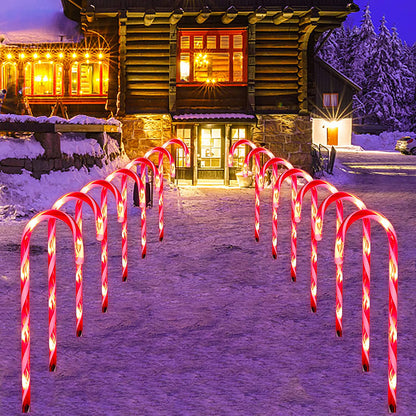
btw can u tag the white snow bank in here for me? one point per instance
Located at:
(386, 141)
(73, 144)
(80, 119)
(20, 148)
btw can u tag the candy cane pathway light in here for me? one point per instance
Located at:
(79, 197)
(256, 152)
(275, 161)
(124, 174)
(294, 174)
(105, 187)
(162, 152)
(393, 283)
(182, 144)
(312, 185)
(233, 148)
(25, 298)
(339, 197)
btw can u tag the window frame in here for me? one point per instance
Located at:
(3, 83)
(230, 51)
(79, 63)
(331, 96)
(30, 89)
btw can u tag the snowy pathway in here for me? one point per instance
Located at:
(209, 323)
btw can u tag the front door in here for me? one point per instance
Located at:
(332, 136)
(211, 153)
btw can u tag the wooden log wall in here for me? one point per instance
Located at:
(147, 66)
(277, 67)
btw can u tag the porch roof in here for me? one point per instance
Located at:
(214, 117)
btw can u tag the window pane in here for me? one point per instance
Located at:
(211, 42)
(9, 78)
(43, 78)
(105, 78)
(224, 42)
(198, 42)
(90, 78)
(216, 134)
(74, 79)
(59, 72)
(334, 100)
(201, 67)
(220, 67)
(238, 66)
(184, 67)
(238, 41)
(28, 79)
(185, 42)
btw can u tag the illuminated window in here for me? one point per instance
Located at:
(8, 76)
(185, 135)
(210, 148)
(330, 100)
(89, 78)
(238, 133)
(43, 78)
(213, 56)
(28, 79)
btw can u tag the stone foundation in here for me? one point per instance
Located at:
(141, 132)
(286, 135)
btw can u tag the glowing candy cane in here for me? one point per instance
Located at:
(162, 152)
(25, 286)
(256, 152)
(294, 174)
(366, 214)
(126, 173)
(79, 197)
(312, 185)
(182, 144)
(234, 146)
(106, 186)
(274, 162)
(339, 197)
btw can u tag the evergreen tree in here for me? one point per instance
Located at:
(380, 98)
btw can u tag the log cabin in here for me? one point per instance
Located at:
(208, 72)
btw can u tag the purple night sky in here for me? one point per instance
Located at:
(399, 13)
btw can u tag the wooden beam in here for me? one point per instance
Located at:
(176, 16)
(203, 15)
(149, 16)
(230, 14)
(258, 15)
(283, 16)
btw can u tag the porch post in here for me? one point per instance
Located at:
(195, 154)
(226, 150)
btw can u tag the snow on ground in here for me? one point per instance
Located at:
(209, 323)
(386, 141)
(22, 147)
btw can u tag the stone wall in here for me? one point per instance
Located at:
(141, 132)
(286, 135)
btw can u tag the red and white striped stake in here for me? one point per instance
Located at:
(146, 162)
(106, 186)
(366, 214)
(182, 144)
(240, 142)
(293, 174)
(25, 286)
(162, 152)
(312, 185)
(256, 152)
(274, 162)
(126, 173)
(339, 197)
(79, 197)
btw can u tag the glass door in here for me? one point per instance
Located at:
(211, 153)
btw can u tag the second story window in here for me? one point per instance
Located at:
(212, 56)
(89, 78)
(330, 100)
(43, 78)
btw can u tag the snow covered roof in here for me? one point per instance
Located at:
(213, 116)
(29, 21)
